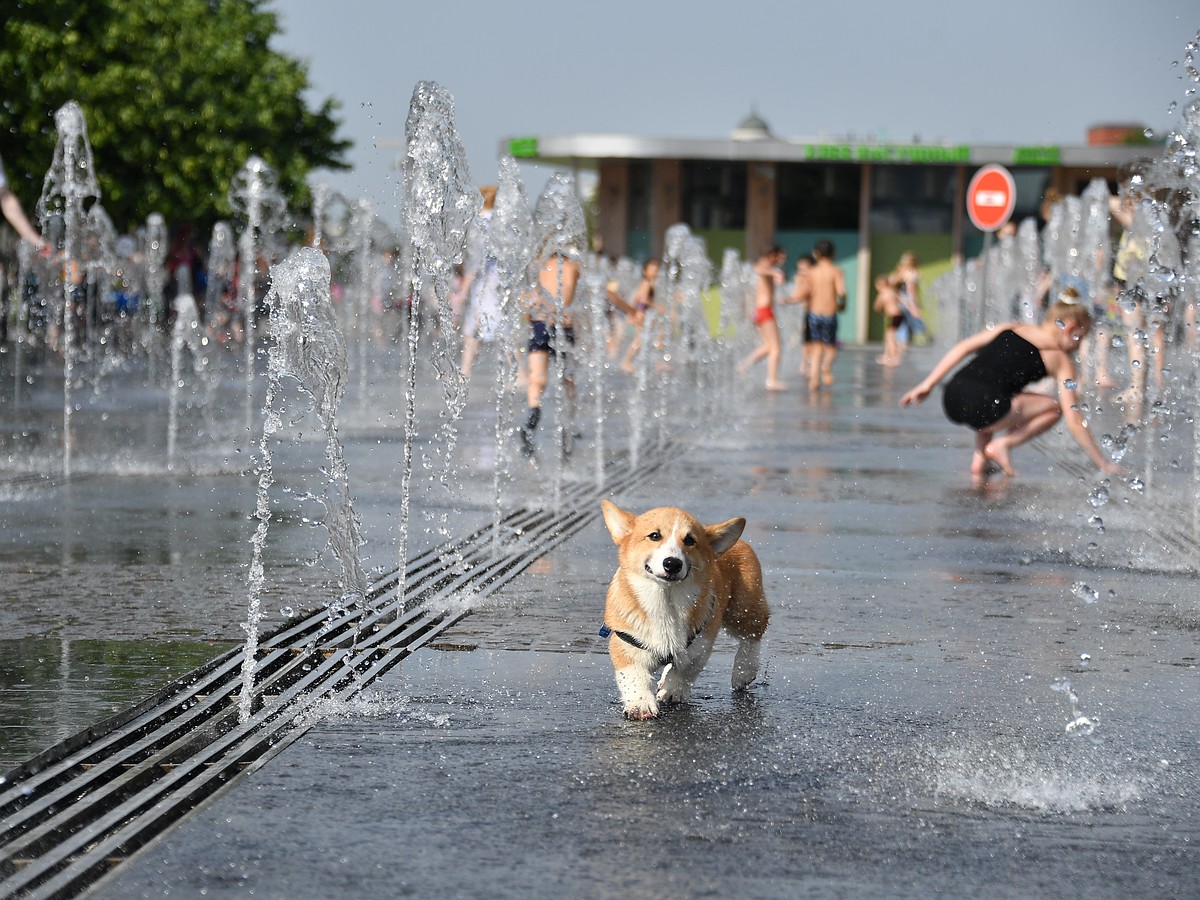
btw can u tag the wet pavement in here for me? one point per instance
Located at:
(930, 645)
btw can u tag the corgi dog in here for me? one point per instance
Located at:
(677, 584)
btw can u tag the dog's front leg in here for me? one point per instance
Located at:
(636, 685)
(675, 686)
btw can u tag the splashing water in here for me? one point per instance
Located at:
(307, 345)
(1079, 723)
(440, 203)
(187, 332)
(70, 181)
(156, 282)
(508, 242)
(559, 230)
(255, 194)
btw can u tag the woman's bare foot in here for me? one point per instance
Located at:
(776, 386)
(998, 453)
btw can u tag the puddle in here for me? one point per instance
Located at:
(50, 688)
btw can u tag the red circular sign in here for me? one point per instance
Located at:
(991, 196)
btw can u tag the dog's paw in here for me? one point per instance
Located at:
(674, 693)
(640, 711)
(742, 680)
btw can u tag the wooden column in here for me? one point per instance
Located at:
(958, 215)
(667, 205)
(761, 208)
(862, 296)
(613, 224)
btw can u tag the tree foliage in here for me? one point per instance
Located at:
(177, 95)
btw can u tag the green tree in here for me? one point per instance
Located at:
(177, 95)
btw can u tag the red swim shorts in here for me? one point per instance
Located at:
(763, 314)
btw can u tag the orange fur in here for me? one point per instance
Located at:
(677, 584)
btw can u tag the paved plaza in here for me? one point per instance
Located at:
(931, 643)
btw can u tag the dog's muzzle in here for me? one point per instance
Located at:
(673, 569)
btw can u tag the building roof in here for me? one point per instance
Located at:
(752, 128)
(585, 150)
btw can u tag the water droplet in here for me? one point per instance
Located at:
(287, 612)
(1085, 593)
(1083, 725)
(1085, 658)
(1137, 485)
(1070, 384)
(1097, 523)
(1098, 496)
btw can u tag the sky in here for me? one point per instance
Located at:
(1019, 71)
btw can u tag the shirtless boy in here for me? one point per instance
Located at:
(827, 297)
(768, 273)
(543, 306)
(887, 304)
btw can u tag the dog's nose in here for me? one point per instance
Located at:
(672, 565)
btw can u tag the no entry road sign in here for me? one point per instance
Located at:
(991, 196)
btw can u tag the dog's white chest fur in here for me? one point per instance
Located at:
(668, 610)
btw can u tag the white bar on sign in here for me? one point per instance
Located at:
(991, 198)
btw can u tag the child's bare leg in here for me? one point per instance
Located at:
(1102, 340)
(1031, 414)
(979, 458)
(759, 352)
(634, 346)
(889, 348)
(816, 356)
(1158, 347)
(828, 355)
(774, 348)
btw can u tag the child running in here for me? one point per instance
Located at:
(988, 393)
(768, 277)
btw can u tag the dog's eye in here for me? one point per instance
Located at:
(654, 536)
(689, 541)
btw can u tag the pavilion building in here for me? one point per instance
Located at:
(874, 199)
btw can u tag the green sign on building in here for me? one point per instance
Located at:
(523, 147)
(1049, 155)
(885, 153)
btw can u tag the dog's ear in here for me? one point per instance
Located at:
(725, 535)
(619, 522)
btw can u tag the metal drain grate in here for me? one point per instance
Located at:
(70, 814)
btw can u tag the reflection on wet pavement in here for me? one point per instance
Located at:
(52, 687)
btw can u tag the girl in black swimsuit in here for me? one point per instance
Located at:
(988, 393)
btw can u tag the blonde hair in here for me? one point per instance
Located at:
(1068, 308)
